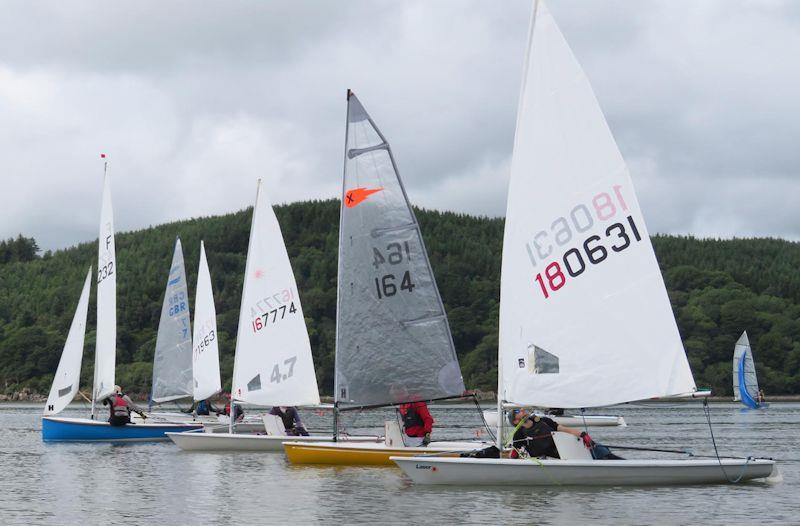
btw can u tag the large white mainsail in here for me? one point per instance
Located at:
(205, 354)
(67, 378)
(393, 340)
(106, 344)
(172, 363)
(273, 364)
(585, 319)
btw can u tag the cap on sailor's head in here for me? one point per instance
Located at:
(117, 389)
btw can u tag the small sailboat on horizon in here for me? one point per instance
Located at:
(745, 383)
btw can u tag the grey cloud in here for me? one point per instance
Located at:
(196, 100)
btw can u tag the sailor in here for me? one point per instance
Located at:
(238, 412)
(417, 423)
(533, 435)
(291, 420)
(417, 420)
(202, 408)
(120, 407)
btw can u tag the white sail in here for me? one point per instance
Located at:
(584, 319)
(67, 378)
(172, 363)
(273, 364)
(106, 344)
(205, 355)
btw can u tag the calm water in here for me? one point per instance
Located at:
(159, 484)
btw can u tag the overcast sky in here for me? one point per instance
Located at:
(194, 101)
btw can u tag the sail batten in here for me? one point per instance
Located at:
(106, 341)
(393, 341)
(585, 320)
(172, 362)
(65, 382)
(273, 363)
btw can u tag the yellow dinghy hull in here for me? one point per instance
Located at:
(368, 454)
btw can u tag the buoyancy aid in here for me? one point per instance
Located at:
(540, 437)
(287, 418)
(411, 418)
(119, 407)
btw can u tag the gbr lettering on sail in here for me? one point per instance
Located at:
(587, 234)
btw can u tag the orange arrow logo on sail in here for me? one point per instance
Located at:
(357, 196)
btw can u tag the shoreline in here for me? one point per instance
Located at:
(485, 398)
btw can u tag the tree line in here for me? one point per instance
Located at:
(718, 288)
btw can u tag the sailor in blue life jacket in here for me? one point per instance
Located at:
(120, 407)
(291, 420)
(202, 408)
(533, 436)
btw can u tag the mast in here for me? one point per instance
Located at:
(105, 347)
(520, 102)
(339, 276)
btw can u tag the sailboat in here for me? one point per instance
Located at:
(585, 320)
(57, 428)
(273, 365)
(172, 361)
(745, 383)
(174, 369)
(393, 342)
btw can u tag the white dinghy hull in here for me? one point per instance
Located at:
(553, 472)
(199, 441)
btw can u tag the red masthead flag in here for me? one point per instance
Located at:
(102, 156)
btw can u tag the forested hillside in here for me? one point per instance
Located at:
(717, 288)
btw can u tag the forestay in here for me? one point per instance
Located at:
(273, 364)
(393, 340)
(205, 354)
(172, 363)
(745, 383)
(106, 343)
(584, 319)
(67, 378)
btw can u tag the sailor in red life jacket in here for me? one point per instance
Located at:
(120, 407)
(417, 420)
(417, 423)
(238, 411)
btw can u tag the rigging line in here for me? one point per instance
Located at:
(658, 450)
(483, 419)
(716, 452)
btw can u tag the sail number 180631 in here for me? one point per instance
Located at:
(593, 250)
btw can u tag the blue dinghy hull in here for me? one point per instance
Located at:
(62, 429)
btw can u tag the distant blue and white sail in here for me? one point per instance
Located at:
(172, 364)
(745, 383)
